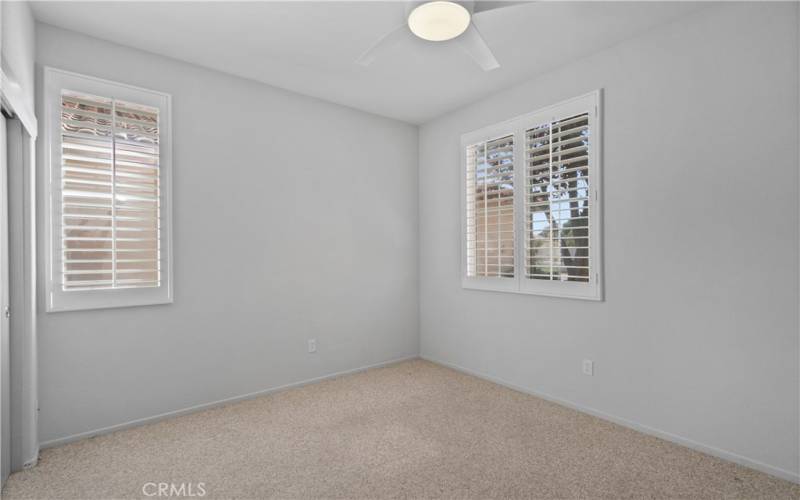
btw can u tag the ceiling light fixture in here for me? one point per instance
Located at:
(438, 21)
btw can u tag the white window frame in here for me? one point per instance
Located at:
(57, 299)
(593, 290)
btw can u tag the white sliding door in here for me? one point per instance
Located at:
(5, 388)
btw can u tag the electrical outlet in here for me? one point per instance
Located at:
(312, 345)
(588, 367)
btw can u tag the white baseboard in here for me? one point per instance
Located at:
(710, 450)
(205, 406)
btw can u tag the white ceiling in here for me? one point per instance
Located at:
(310, 47)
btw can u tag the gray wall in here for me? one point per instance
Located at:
(294, 218)
(698, 335)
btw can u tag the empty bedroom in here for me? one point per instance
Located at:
(399, 249)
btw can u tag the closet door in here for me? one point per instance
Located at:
(5, 387)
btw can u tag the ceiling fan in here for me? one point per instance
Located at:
(439, 21)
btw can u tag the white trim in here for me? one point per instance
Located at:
(56, 299)
(11, 93)
(22, 254)
(630, 424)
(590, 103)
(214, 404)
(22, 221)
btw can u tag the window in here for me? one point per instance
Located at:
(531, 203)
(490, 208)
(108, 203)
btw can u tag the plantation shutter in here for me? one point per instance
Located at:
(557, 200)
(490, 208)
(110, 194)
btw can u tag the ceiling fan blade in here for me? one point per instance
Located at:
(386, 41)
(474, 44)
(484, 5)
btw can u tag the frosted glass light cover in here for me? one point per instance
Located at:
(438, 21)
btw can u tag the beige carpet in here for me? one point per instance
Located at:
(413, 430)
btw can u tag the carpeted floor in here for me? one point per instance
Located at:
(414, 430)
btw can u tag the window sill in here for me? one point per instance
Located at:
(590, 293)
(85, 300)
